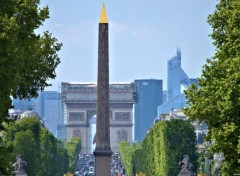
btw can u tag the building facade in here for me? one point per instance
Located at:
(177, 81)
(48, 107)
(79, 104)
(200, 129)
(22, 105)
(176, 77)
(149, 97)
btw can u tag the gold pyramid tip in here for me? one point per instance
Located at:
(103, 17)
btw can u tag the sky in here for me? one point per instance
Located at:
(143, 36)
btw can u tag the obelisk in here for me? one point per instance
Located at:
(103, 151)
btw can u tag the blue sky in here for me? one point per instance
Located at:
(143, 35)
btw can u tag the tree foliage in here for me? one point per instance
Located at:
(216, 99)
(73, 148)
(25, 146)
(54, 158)
(162, 149)
(5, 157)
(27, 60)
(23, 138)
(44, 154)
(126, 151)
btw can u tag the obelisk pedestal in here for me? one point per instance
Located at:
(103, 151)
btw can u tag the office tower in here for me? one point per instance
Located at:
(22, 105)
(176, 80)
(149, 97)
(47, 105)
(176, 77)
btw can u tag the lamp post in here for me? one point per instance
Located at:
(207, 169)
(201, 168)
(210, 162)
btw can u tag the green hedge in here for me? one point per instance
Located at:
(126, 152)
(73, 147)
(162, 149)
(44, 154)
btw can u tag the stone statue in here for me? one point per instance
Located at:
(187, 167)
(218, 160)
(19, 164)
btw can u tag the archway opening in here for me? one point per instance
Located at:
(92, 134)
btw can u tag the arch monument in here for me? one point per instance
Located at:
(79, 106)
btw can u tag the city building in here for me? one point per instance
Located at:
(177, 81)
(200, 129)
(173, 114)
(47, 105)
(176, 77)
(19, 115)
(149, 97)
(29, 113)
(22, 105)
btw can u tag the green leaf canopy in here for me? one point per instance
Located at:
(216, 100)
(27, 60)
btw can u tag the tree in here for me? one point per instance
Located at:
(162, 149)
(5, 157)
(24, 145)
(169, 141)
(216, 99)
(47, 153)
(53, 156)
(126, 151)
(27, 60)
(44, 154)
(23, 138)
(73, 148)
(62, 159)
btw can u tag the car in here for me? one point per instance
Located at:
(91, 171)
(91, 163)
(86, 173)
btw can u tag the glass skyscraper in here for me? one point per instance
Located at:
(22, 105)
(177, 78)
(149, 97)
(48, 107)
